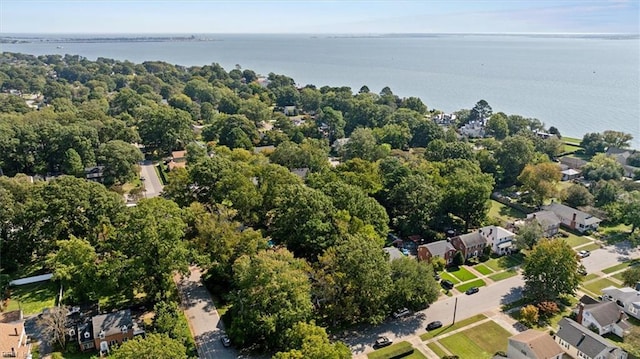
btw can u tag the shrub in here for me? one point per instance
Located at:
(548, 308)
(458, 259)
(529, 314)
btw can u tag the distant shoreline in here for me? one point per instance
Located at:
(124, 39)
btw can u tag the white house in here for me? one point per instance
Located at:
(579, 342)
(533, 344)
(605, 317)
(574, 218)
(473, 129)
(499, 239)
(627, 298)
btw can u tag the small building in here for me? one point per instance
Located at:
(13, 341)
(442, 249)
(621, 156)
(474, 129)
(548, 220)
(95, 173)
(178, 160)
(604, 317)
(581, 343)
(533, 344)
(573, 162)
(289, 110)
(626, 298)
(574, 218)
(569, 174)
(393, 252)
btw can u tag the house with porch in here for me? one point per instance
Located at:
(581, 343)
(604, 317)
(574, 218)
(470, 244)
(499, 239)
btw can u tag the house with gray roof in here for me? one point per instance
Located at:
(470, 244)
(113, 329)
(621, 156)
(581, 343)
(548, 220)
(393, 252)
(574, 218)
(626, 298)
(533, 344)
(442, 249)
(499, 239)
(605, 317)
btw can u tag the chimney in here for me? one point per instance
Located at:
(16, 330)
(580, 313)
(620, 317)
(581, 339)
(13, 352)
(490, 231)
(574, 216)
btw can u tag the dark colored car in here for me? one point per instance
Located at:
(382, 342)
(225, 341)
(472, 290)
(434, 325)
(446, 284)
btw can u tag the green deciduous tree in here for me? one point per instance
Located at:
(75, 265)
(529, 234)
(497, 126)
(631, 276)
(616, 139)
(413, 284)
(362, 144)
(72, 163)
(163, 128)
(353, 281)
(120, 161)
(156, 346)
(593, 143)
(273, 294)
(602, 167)
(577, 196)
(307, 340)
(541, 180)
(550, 271)
(467, 192)
(513, 155)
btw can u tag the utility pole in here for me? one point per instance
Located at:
(455, 309)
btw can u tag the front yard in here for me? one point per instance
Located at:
(396, 348)
(481, 341)
(595, 287)
(462, 274)
(452, 327)
(505, 262)
(475, 283)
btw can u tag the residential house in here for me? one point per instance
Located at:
(111, 329)
(626, 298)
(95, 173)
(533, 344)
(289, 110)
(573, 162)
(569, 174)
(548, 220)
(442, 249)
(621, 155)
(605, 317)
(470, 244)
(13, 341)
(499, 239)
(579, 342)
(574, 218)
(445, 119)
(178, 160)
(473, 129)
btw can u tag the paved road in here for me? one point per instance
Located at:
(609, 256)
(152, 183)
(204, 322)
(487, 299)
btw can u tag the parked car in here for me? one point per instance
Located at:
(382, 342)
(434, 325)
(446, 284)
(582, 270)
(437, 276)
(226, 342)
(401, 313)
(584, 254)
(472, 290)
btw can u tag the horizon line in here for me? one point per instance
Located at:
(4, 33)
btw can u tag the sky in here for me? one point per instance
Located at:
(320, 16)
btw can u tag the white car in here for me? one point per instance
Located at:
(584, 254)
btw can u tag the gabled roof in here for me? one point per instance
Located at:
(112, 323)
(583, 339)
(394, 253)
(626, 295)
(540, 343)
(605, 313)
(472, 239)
(545, 218)
(567, 212)
(12, 338)
(439, 248)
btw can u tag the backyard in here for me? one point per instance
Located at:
(33, 298)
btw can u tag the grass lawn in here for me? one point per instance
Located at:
(475, 283)
(461, 273)
(571, 148)
(483, 269)
(608, 229)
(460, 345)
(78, 355)
(504, 213)
(620, 266)
(33, 298)
(445, 275)
(618, 276)
(571, 139)
(436, 349)
(575, 241)
(590, 276)
(503, 275)
(505, 262)
(399, 347)
(481, 341)
(590, 247)
(596, 286)
(452, 327)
